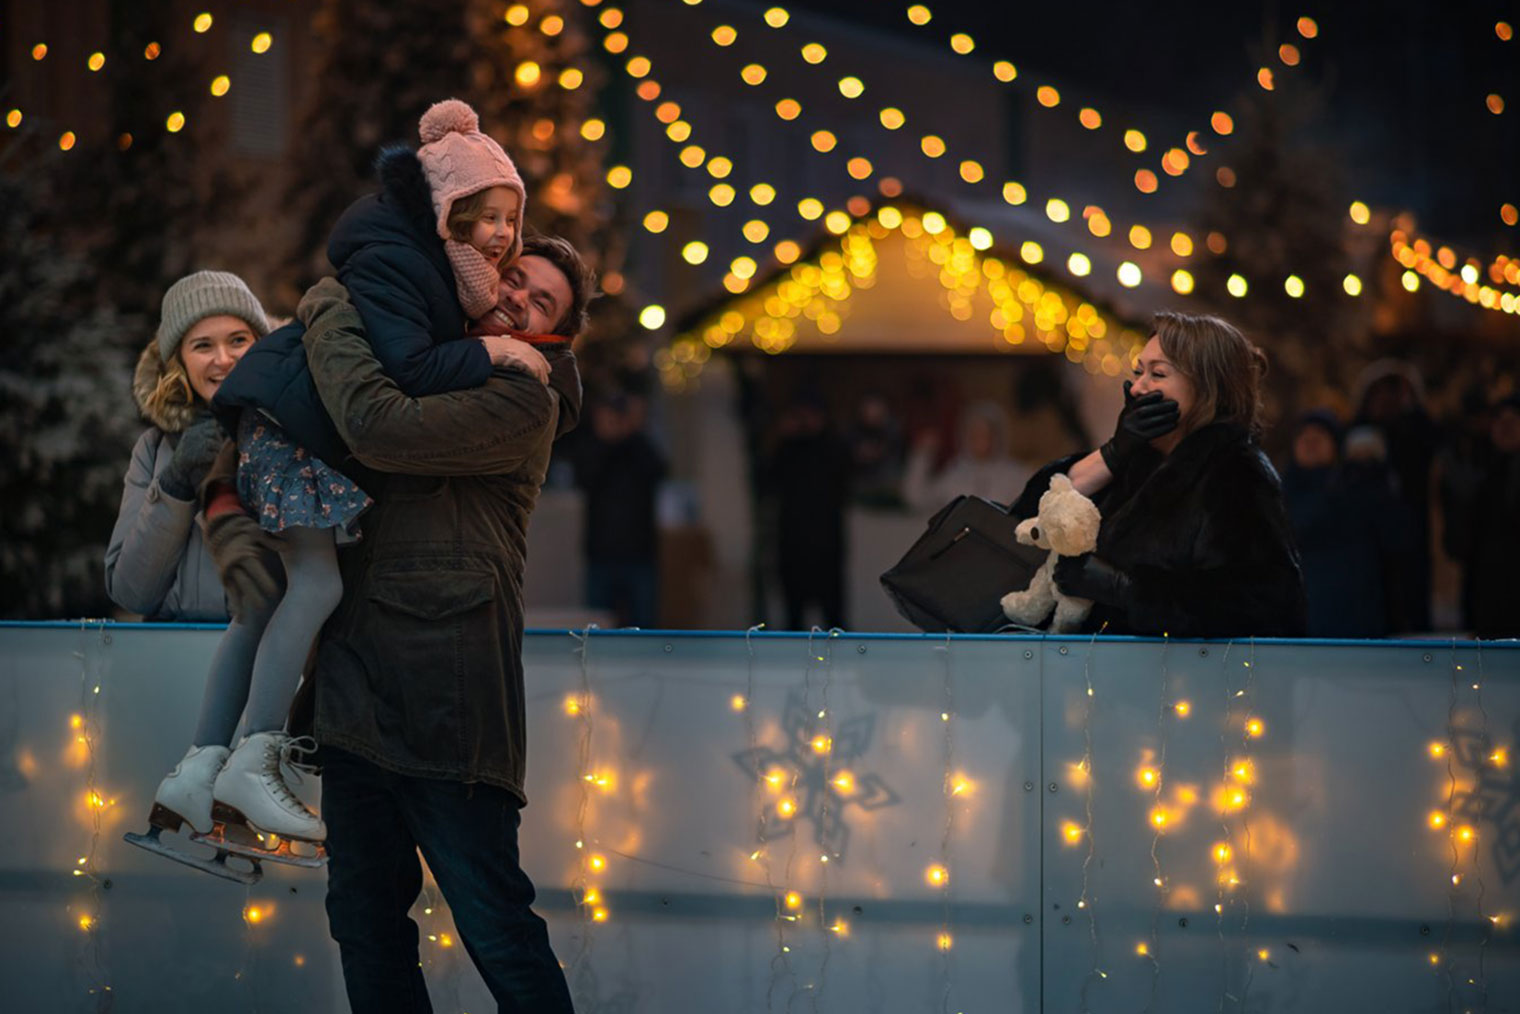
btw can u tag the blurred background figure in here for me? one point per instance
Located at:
(1489, 543)
(876, 447)
(1355, 540)
(619, 470)
(809, 476)
(1391, 399)
(981, 467)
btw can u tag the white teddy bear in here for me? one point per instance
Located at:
(1067, 525)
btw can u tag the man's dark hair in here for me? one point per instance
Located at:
(581, 278)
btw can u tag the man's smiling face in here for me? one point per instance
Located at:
(534, 296)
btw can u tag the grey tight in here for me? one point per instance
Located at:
(262, 686)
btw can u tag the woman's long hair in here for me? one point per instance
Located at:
(1223, 366)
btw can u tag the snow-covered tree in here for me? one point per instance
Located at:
(66, 416)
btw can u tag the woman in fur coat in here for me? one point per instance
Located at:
(1195, 540)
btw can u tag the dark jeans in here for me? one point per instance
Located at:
(376, 822)
(630, 591)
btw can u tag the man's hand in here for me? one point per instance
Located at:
(1142, 420)
(516, 354)
(244, 553)
(1090, 577)
(193, 456)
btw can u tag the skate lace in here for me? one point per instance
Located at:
(292, 753)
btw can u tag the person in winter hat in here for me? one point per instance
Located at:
(419, 260)
(159, 562)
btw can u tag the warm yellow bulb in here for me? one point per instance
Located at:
(980, 237)
(221, 85)
(693, 156)
(1079, 264)
(1031, 252)
(1140, 237)
(652, 318)
(743, 267)
(202, 23)
(753, 74)
(937, 875)
(1129, 274)
(528, 74)
(824, 141)
(1221, 852)
(597, 862)
(639, 66)
(1466, 835)
(892, 118)
(96, 61)
(851, 87)
(593, 129)
(615, 42)
(517, 15)
(859, 168)
(1182, 284)
(972, 171)
(821, 743)
(1004, 71)
(261, 42)
(656, 221)
(1255, 727)
(777, 17)
(1057, 210)
(1071, 832)
(814, 53)
(1294, 287)
(787, 251)
(572, 705)
(175, 123)
(844, 781)
(1134, 140)
(934, 223)
(1183, 709)
(1047, 96)
(755, 231)
(694, 252)
(793, 900)
(599, 915)
(787, 809)
(962, 43)
(762, 193)
(944, 941)
(619, 177)
(13, 120)
(788, 109)
(919, 14)
(810, 208)
(1014, 193)
(1142, 949)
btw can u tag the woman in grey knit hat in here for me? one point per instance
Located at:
(157, 563)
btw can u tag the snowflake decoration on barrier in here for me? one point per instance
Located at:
(819, 776)
(1494, 798)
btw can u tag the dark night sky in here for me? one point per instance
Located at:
(1401, 85)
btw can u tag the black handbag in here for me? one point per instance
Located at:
(954, 577)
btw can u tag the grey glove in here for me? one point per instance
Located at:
(252, 574)
(197, 448)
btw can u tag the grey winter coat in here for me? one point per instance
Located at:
(156, 564)
(420, 668)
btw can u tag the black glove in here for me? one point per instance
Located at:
(244, 554)
(197, 449)
(1090, 577)
(1142, 420)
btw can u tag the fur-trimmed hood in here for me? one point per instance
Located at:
(401, 213)
(145, 378)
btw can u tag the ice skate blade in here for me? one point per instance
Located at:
(241, 839)
(217, 867)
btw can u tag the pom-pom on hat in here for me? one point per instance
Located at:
(206, 294)
(459, 161)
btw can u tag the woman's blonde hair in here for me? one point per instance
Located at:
(172, 390)
(1223, 366)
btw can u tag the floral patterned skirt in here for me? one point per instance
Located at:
(286, 486)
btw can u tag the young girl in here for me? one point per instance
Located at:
(419, 260)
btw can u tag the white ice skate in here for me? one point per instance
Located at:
(256, 813)
(185, 797)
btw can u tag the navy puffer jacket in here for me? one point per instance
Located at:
(389, 256)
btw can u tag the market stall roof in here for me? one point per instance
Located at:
(902, 279)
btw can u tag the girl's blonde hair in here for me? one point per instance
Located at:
(1224, 367)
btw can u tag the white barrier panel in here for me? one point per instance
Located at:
(846, 823)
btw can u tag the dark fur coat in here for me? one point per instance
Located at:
(1204, 537)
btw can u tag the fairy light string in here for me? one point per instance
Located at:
(1086, 901)
(942, 869)
(1253, 729)
(1158, 820)
(1222, 851)
(85, 728)
(588, 894)
(826, 716)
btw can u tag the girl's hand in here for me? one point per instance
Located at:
(515, 354)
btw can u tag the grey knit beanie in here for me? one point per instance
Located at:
(206, 294)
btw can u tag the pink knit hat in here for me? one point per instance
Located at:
(459, 161)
